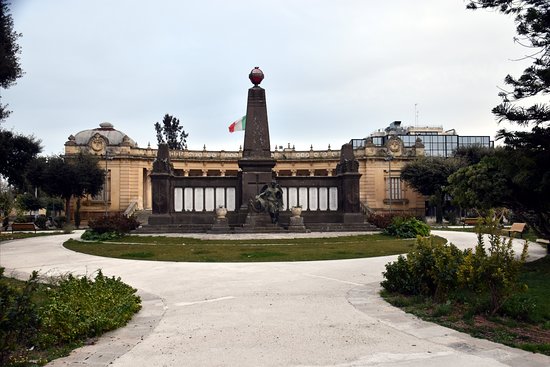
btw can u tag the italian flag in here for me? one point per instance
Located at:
(238, 125)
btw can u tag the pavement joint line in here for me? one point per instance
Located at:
(334, 279)
(204, 301)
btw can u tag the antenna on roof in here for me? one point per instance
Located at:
(415, 115)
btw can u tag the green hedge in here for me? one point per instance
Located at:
(36, 318)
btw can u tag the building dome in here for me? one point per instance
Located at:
(98, 138)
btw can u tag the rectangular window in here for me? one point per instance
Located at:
(394, 188)
(178, 199)
(105, 193)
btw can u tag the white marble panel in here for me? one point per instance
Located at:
(209, 199)
(199, 196)
(285, 197)
(333, 198)
(230, 192)
(188, 199)
(302, 198)
(178, 199)
(323, 198)
(313, 198)
(220, 197)
(292, 197)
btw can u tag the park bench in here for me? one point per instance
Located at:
(517, 228)
(470, 221)
(23, 227)
(544, 242)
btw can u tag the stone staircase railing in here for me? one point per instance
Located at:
(131, 209)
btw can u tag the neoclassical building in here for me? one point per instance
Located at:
(381, 157)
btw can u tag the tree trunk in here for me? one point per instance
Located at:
(68, 209)
(439, 197)
(77, 213)
(439, 213)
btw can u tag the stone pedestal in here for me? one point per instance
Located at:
(220, 226)
(254, 176)
(296, 224)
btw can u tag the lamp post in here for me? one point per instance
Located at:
(389, 158)
(105, 186)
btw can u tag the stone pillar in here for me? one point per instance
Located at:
(348, 171)
(161, 187)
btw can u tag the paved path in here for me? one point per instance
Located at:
(322, 313)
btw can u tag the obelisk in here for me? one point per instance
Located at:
(256, 164)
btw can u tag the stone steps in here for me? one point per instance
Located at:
(341, 227)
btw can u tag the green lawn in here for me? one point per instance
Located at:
(196, 250)
(8, 236)
(529, 235)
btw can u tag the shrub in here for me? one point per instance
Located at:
(407, 228)
(429, 269)
(23, 219)
(495, 270)
(68, 228)
(60, 221)
(19, 319)
(520, 307)
(117, 223)
(440, 271)
(380, 220)
(89, 235)
(451, 216)
(399, 278)
(41, 222)
(81, 307)
(35, 318)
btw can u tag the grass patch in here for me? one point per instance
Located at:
(137, 255)
(529, 235)
(8, 236)
(523, 323)
(197, 250)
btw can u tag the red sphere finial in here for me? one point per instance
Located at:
(256, 76)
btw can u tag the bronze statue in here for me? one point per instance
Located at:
(270, 199)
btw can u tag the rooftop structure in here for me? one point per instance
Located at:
(437, 141)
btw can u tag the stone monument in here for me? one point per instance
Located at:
(257, 164)
(254, 200)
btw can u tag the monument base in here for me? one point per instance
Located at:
(220, 226)
(296, 224)
(258, 223)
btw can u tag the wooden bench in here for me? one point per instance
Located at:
(517, 228)
(23, 227)
(544, 242)
(470, 221)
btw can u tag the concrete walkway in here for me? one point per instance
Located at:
(322, 313)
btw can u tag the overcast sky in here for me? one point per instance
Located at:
(334, 70)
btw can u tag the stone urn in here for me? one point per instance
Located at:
(221, 212)
(296, 211)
